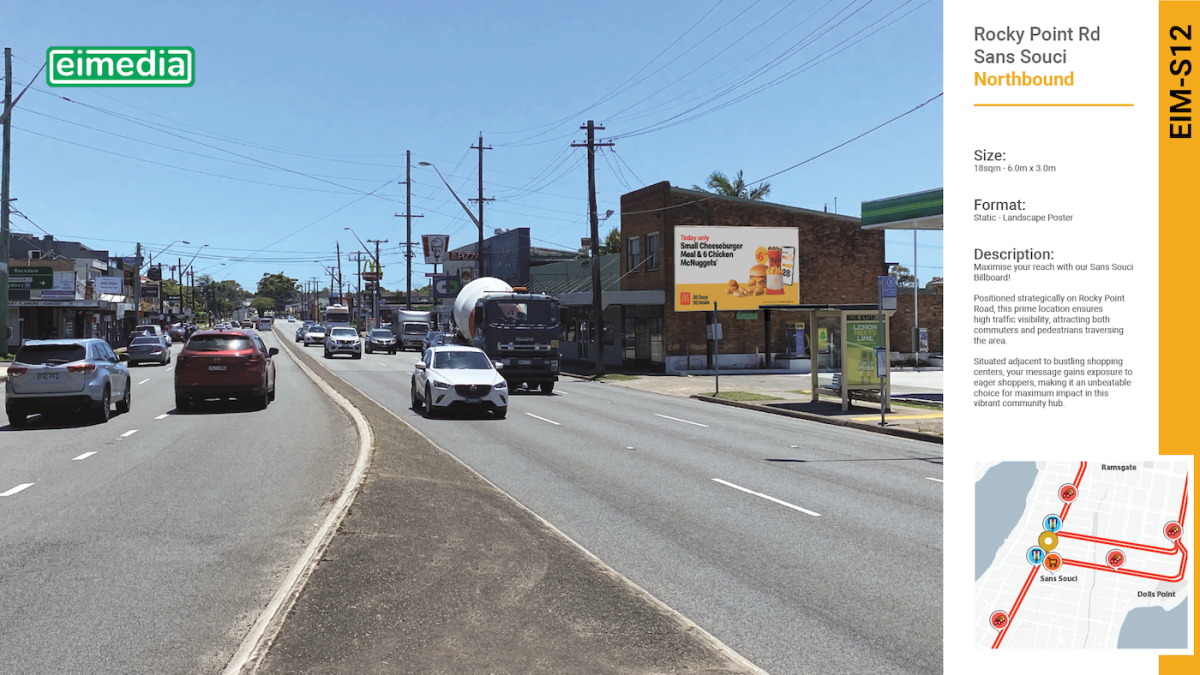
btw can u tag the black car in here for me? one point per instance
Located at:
(434, 338)
(381, 340)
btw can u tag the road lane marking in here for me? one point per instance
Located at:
(935, 479)
(129, 433)
(172, 367)
(379, 362)
(84, 456)
(544, 419)
(144, 381)
(162, 416)
(767, 497)
(15, 490)
(679, 420)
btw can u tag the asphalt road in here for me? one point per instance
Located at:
(802, 546)
(156, 553)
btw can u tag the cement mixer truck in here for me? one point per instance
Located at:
(518, 329)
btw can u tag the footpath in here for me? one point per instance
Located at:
(916, 410)
(434, 570)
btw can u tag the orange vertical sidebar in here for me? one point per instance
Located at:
(1178, 119)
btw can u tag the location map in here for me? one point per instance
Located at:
(1082, 555)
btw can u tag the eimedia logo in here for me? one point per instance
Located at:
(121, 66)
(685, 298)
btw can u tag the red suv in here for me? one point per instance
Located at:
(225, 364)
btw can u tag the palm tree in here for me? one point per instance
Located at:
(720, 183)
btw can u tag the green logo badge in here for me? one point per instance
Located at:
(121, 66)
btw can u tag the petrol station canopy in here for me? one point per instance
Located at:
(916, 211)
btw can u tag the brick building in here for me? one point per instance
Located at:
(837, 262)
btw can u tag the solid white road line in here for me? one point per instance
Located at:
(162, 416)
(15, 490)
(544, 419)
(934, 479)
(679, 420)
(144, 381)
(767, 497)
(83, 456)
(129, 433)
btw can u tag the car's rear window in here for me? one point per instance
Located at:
(415, 328)
(43, 355)
(145, 341)
(218, 343)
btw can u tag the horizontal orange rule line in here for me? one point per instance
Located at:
(1053, 105)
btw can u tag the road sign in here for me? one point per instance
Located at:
(30, 278)
(714, 331)
(887, 293)
(446, 286)
(745, 315)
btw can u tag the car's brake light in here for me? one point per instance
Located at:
(82, 368)
(17, 370)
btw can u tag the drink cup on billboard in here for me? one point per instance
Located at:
(774, 271)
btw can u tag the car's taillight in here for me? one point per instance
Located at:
(82, 368)
(17, 370)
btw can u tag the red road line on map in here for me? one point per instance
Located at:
(1016, 605)
(1183, 506)
(1113, 542)
(1135, 573)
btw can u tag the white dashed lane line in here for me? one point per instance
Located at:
(939, 480)
(83, 456)
(767, 497)
(544, 419)
(15, 490)
(144, 381)
(129, 433)
(163, 416)
(679, 420)
(169, 369)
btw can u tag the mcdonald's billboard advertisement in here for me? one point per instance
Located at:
(741, 268)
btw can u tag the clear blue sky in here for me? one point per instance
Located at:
(330, 95)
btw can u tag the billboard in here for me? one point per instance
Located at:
(435, 247)
(860, 336)
(446, 286)
(742, 268)
(110, 285)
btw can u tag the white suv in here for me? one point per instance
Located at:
(458, 378)
(343, 340)
(66, 375)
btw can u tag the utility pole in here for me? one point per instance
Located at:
(597, 294)
(137, 286)
(408, 216)
(4, 176)
(481, 200)
(339, 269)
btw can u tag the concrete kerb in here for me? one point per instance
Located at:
(266, 628)
(889, 431)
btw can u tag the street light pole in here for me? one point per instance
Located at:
(478, 222)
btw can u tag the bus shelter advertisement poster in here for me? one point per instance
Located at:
(739, 268)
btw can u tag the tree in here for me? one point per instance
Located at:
(611, 243)
(220, 296)
(280, 288)
(720, 184)
(904, 276)
(263, 304)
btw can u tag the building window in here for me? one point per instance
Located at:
(633, 252)
(652, 251)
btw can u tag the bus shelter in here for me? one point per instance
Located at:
(840, 341)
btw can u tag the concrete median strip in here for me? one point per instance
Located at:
(264, 630)
(436, 569)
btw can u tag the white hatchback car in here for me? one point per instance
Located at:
(458, 378)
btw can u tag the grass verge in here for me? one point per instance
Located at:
(616, 377)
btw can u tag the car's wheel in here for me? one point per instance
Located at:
(412, 393)
(501, 413)
(182, 402)
(327, 354)
(260, 402)
(430, 409)
(271, 394)
(547, 387)
(18, 420)
(105, 408)
(127, 399)
(358, 355)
